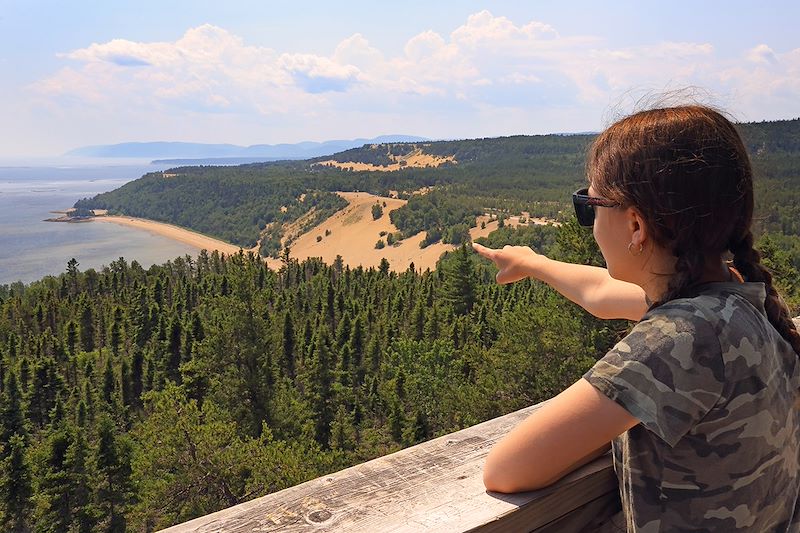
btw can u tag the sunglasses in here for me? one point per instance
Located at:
(585, 204)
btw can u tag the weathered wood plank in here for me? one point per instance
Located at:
(434, 486)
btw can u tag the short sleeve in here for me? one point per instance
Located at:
(667, 372)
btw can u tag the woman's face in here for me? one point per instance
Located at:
(612, 231)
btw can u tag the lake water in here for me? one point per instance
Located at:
(31, 248)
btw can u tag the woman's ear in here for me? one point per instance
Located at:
(637, 227)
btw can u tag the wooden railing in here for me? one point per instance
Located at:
(434, 486)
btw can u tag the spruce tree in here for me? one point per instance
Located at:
(54, 491)
(459, 288)
(116, 331)
(357, 349)
(125, 384)
(72, 335)
(174, 350)
(321, 388)
(87, 326)
(84, 513)
(109, 383)
(12, 418)
(15, 486)
(137, 376)
(396, 422)
(288, 346)
(113, 463)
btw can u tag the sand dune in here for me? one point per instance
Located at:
(415, 159)
(353, 234)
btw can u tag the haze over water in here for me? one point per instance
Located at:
(31, 248)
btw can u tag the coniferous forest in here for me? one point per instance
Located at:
(134, 399)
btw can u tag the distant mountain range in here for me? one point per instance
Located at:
(188, 152)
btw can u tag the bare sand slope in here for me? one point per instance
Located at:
(192, 238)
(415, 159)
(512, 221)
(354, 234)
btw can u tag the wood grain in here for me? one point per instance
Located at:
(434, 486)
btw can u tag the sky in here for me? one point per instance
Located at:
(266, 72)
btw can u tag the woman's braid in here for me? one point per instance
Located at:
(747, 261)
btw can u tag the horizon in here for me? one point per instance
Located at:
(258, 74)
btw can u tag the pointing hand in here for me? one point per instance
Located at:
(513, 261)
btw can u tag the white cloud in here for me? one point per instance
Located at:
(762, 54)
(484, 29)
(425, 45)
(316, 74)
(356, 51)
(521, 71)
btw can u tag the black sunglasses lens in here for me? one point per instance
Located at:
(585, 214)
(583, 211)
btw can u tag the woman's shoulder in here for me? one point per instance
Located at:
(720, 306)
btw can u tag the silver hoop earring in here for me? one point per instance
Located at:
(641, 249)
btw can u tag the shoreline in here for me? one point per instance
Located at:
(176, 233)
(350, 232)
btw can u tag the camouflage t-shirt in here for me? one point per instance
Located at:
(713, 385)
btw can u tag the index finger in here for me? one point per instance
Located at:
(483, 250)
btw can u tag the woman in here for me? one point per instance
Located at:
(698, 400)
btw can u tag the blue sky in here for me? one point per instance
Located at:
(80, 73)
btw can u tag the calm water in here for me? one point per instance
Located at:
(31, 248)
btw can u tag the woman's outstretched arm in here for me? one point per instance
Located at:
(590, 287)
(566, 432)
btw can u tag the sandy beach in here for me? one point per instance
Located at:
(183, 235)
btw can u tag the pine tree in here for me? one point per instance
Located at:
(396, 422)
(433, 324)
(343, 331)
(57, 414)
(113, 462)
(12, 419)
(342, 431)
(357, 349)
(87, 326)
(288, 344)
(54, 491)
(137, 376)
(84, 514)
(383, 267)
(116, 331)
(72, 276)
(459, 288)
(174, 350)
(72, 335)
(140, 322)
(418, 321)
(198, 332)
(374, 352)
(109, 383)
(37, 401)
(421, 430)
(125, 384)
(15, 486)
(321, 388)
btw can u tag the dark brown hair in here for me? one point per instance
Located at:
(687, 171)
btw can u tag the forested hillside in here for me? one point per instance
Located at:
(139, 399)
(241, 204)
(533, 174)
